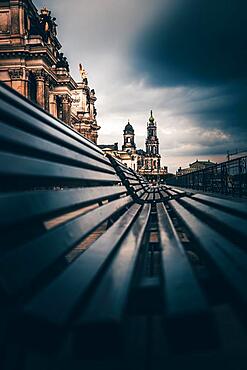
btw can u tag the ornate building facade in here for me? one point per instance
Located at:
(32, 64)
(83, 109)
(147, 163)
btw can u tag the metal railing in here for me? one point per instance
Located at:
(226, 178)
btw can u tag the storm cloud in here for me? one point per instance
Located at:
(195, 42)
(203, 44)
(185, 59)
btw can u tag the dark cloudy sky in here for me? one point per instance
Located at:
(185, 59)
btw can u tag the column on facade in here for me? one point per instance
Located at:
(47, 93)
(53, 104)
(19, 80)
(40, 80)
(66, 108)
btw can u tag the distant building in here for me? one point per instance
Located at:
(237, 154)
(151, 161)
(32, 64)
(146, 162)
(195, 166)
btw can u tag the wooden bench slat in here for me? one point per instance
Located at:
(237, 225)
(70, 287)
(178, 191)
(21, 266)
(163, 195)
(224, 204)
(140, 193)
(137, 187)
(51, 131)
(113, 288)
(229, 260)
(132, 183)
(187, 310)
(144, 196)
(48, 203)
(31, 146)
(24, 166)
(128, 175)
(157, 196)
(24, 107)
(170, 192)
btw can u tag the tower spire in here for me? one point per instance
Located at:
(151, 119)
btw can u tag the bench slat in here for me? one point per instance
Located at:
(229, 260)
(53, 130)
(224, 204)
(144, 196)
(113, 289)
(21, 266)
(70, 287)
(24, 109)
(24, 166)
(163, 195)
(48, 203)
(31, 146)
(140, 193)
(156, 196)
(236, 225)
(187, 310)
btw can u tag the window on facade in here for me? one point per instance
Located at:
(32, 88)
(4, 21)
(59, 108)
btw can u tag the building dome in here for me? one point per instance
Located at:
(128, 128)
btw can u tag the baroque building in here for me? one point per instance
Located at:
(31, 63)
(147, 163)
(83, 109)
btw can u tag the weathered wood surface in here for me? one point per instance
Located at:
(99, 269)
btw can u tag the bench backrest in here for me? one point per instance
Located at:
(56, 187)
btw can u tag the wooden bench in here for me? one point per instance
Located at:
(98, 269)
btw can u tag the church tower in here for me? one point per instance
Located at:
(129, 138)
(152, 156)
(152, 141)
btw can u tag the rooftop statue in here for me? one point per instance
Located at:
(62, 62)
(83, 73)
(48, 23)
